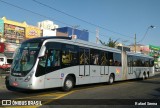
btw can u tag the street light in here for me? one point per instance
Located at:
(150, 27)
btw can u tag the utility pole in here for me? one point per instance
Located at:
(135, 43)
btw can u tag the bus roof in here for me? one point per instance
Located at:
(138, 54)
(80, 42)
(83, 43)
(41, 39)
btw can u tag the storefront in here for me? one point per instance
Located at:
(14, 32)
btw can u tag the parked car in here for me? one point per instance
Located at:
(157, 69)
(5, 68)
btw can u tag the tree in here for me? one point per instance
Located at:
(110, 43)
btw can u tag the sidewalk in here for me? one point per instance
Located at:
(157, 73)
(2, 82)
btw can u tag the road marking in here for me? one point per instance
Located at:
(59, 97)
(47, 94)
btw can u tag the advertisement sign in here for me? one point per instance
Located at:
(10, 47)
(1, 28)
(14, 34)
(33, 32)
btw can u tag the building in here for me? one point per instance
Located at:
(48, 28)
(13, 33)
(47, 24)
(79, 34)
(139, 48)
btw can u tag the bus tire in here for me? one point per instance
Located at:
(143, 76)
(68, 84)
(111, 79)
(147, 75)
(7, 84)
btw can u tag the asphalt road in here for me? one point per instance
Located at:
(95, 95)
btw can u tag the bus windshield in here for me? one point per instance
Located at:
(25, 58)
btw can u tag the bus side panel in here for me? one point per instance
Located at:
(38, 82)
(117, 71)
(95, 73)
(53, 79)
(151, 71)
(138, 72)
(57, 78)
(104, 74)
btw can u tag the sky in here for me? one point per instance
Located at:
(116, 19)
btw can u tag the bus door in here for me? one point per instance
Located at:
(53, 61)
(84, 62)
(130, 65)
(103, 63)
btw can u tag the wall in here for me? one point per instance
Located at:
(47, 24)
(49, 32)
(81, 34)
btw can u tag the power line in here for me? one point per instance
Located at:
(80, 19)
(48, 17)
(34, 12)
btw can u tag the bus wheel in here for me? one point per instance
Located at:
(144, 76)
(7, 84)
(68, 84)
(147, 75)
(111, 79)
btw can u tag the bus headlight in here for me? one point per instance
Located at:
(28, 78)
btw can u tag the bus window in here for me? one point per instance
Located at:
(41, 66)
(95, 55)
(69, 55)
(139, 62)
(117, 59)
(53, 60)
(134, 61)
(110, 57)
(151, 64)
(103, 61)
(83, 56)
(146, 63)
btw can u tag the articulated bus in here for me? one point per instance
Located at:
(50, 62)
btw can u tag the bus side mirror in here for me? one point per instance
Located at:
(42, 51)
